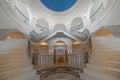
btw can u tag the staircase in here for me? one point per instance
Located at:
(14, 61)
(105, 61)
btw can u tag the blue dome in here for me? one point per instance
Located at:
(58, 5)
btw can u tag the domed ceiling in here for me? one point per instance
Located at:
(69, 14)
(58, 5)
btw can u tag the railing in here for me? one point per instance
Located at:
(20, 14)
(25, 18)
(48, 61)
(93, 16)
(16, 14)
(51, 67)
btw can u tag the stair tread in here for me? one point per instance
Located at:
(100, 76)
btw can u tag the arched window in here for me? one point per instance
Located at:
(15, 35)
(104, 32)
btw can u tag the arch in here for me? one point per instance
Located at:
(104, 32)
(59, 26)
(11, 34)
(76, 43)
(15, 35)
(59, 43)
(66, 40)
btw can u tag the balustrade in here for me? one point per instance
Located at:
(47, 61)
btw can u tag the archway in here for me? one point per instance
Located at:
(60, 53)
(104, 32)
(15, 35)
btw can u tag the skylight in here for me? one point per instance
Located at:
(58, 5)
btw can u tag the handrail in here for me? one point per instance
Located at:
(96, 10)
(21, 13)
(57, 72)
(17, 9)
(28, 18)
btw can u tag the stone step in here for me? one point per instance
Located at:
(36, 77)
(106, 53)
(97, 42)
(111, 64)
(13, 52)
(105, 50)
(15, 42)
(9, 61)
(12, 75)
(103, 69)
(86, 76)
(105, 56)
(105, 38)
(12, 66)
(106, 43)
(106, 47)
(15, 71)
(14, 61)
(110, 58)
(33, 78)
(13, 57)
(23, 76)
(99, 76)
(13, 46)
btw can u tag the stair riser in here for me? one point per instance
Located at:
(15, 71)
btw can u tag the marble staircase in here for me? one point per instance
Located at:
(105, 61)
(14, 61)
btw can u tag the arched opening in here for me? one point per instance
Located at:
(15, 35)
(60, 52)
(59, 27)
(104, 32)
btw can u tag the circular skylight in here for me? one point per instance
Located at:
(58, 5)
